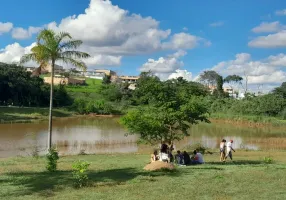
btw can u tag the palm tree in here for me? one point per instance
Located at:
(50, 48)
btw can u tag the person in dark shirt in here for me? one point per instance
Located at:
(179, 158)
(187, 158)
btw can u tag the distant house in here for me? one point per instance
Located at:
(57, 69)
(30, 69)
(98, 73)
(129, 79)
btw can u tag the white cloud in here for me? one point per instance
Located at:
(5, 27)
(269, 71)
(181, 73)
(276, 40)
(281, 12)
(109, 32)
(109, 29)
(164, 66)
(103, 60)
(12, 53)
(268, 27)
(217, 24)
(21, 33)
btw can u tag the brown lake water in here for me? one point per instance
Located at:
(94, 135)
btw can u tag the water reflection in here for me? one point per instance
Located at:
(105, 135)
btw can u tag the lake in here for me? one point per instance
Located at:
(94, 135)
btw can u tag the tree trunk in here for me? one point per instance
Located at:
(51, 107)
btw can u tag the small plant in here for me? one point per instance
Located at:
(52, 158)
(268, 160)
(79, 173)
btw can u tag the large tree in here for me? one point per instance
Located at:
(209, 78)
(233, 81)
(52, 47)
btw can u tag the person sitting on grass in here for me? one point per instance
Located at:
(229, 150)
(154, 156)
(163, 156)
(179, 158)
(187, 158)
(197, 158)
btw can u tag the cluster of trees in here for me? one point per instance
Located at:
(19, 88)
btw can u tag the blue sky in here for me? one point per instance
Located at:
(242, 37)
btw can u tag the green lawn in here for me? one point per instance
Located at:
(122, 177)
(16, 114)
(92, 86)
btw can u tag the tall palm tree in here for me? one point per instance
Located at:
(50, 48)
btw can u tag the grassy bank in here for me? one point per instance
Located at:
(16, 114)
(248, 119)
(122, 177)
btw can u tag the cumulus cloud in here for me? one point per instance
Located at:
(181, 73)
(21, 33)
(281, 12)
(217, 24)
(164, 66)
(106, 28)
(268, 27)
(12, 53)
(5, 27)
(103, 60)
(109, 32)
(276, 40)
(269, 71)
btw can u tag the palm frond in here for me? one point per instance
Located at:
(71, 44)
(46, 35)
(77, 63)
(74, 54)
(28, 57)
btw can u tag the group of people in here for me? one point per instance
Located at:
(226, 150)
(180, 158)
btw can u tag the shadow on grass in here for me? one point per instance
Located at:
(237, 162)
(45, 183)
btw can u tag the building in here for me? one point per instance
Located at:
(57, 69)
(99, 73)
(30, 69)
(58, 80)
(129, 79)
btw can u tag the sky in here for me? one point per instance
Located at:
(170, 38)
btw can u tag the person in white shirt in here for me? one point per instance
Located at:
(229, 150)
(197, 158)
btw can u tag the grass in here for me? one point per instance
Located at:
(121, 177)
(18, 114)
(249, 118)
(91, 87)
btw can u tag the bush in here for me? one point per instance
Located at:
(52, 158)
(79, 173)
(268, 160)
(198, 146)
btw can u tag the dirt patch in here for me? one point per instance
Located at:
(158, 165)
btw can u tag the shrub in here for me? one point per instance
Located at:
(198, 146)
(79, 173)
(52, 158)
(268, 160)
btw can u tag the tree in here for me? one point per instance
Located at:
(233, 81)
(106, 79)
(281, 91)
(209, 78)
(50, 48)
(167, 122)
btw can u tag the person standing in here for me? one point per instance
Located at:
(229, 150)
(222, 150)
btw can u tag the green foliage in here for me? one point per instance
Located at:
(79, 173)
(281, 91)
(197, 146)
(209, 78)
(19, 88)
(267, 160)
(106, 80)
(52, 158)
(165, 121)
(83, 106)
